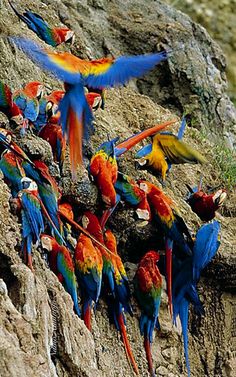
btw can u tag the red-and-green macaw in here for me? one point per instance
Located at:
(32, 219)
(205, 204)
(9, 108)
(51, 36)
(121, 300)
(148, 288)
(88, 267)
(167, 216)
(167, 149)
(62, 263)
(103, 167)
(10, 165)
(76, 115)
(27, 99)
(186, 275)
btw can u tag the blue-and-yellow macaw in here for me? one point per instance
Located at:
(76, 115)
(167, 149)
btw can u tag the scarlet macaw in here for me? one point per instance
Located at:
(52, 36)
(62, 263)
(114, 276)
(121, 299)
(168, 218)
(76, 115)
(148, 288)
(9, 108)
(88, 267)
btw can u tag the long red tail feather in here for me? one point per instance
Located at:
(169, 274)
(131, 142)
(125, 339)
(147, 347)
(75, 137)
(87, 318)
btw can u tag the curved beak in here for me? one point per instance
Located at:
(219, 197)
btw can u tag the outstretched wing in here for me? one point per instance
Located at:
(108, 72)
(177, 151)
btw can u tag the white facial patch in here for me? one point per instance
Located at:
(85, 222)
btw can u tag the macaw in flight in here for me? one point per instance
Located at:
(167, 149)
(76, 115)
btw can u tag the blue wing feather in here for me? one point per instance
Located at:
(125, 68)
(144, 151)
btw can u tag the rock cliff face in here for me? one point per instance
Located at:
(39, 333)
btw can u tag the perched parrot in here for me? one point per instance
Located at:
(88, 267)
(10, 165)
(103, 167)
(52, 36)
(186, 274)
(9, 108)
(94, 100)
(49, 193)
(63, 264)
(167, 148)
(91, 223)
(101, 93)
(27, 99)
(121, 299)
(148, 287)
(42, 117)
(175, 230)
(32, 219)
(203, 204)
(132, 194)
(52, 133)
(53, 100)
(76, 115)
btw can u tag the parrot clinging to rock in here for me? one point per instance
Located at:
(52, 36)
(148, 288)
(88, 267)
(205, 204)
(62, 265)
(76, 115)
(9, 108)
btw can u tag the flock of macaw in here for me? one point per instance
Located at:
(92, 264)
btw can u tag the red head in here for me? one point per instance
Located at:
(34, 89)
(66, 208)
(65, 35)
(149, 260)
(148, 187)
(48, 242)
(16, 114)
(92, 224)
(94, 100)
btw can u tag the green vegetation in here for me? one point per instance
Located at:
(225, 160)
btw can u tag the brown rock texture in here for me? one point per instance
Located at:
(39, 332)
